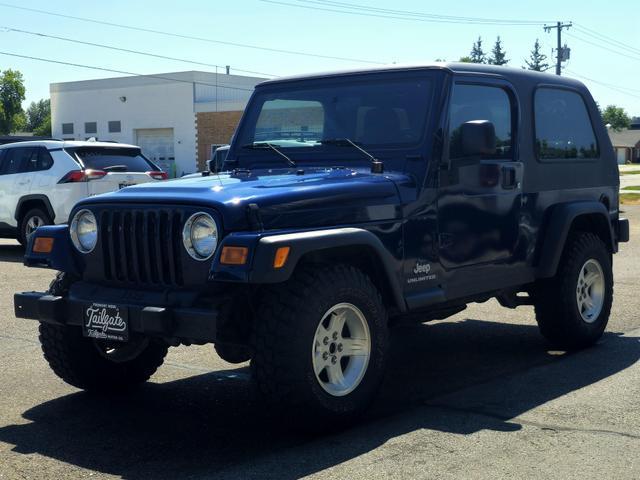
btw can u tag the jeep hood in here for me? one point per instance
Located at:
(319, 197)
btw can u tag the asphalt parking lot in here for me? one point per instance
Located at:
(477, 396)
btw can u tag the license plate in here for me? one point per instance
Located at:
(125, 185)
(106, 322)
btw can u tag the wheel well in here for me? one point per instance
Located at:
(25, 205)
(362, 257)
(594, 223)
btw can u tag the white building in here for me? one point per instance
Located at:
(174, 117)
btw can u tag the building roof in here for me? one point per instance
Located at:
(193, 76)
(56, 144)
(625, 138)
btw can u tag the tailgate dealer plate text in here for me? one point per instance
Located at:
(106, 322)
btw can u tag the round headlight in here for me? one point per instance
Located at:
(84, 231)
(200, 236)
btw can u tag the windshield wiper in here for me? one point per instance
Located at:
(116, 168)
(376, 165)
(267, 145)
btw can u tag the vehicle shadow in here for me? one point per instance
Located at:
(11, 253)
(211, 425)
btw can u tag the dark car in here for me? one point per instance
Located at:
(356, 200)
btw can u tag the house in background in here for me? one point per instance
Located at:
(175, 118)
(626, 143)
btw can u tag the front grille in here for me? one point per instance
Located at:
(142, 246)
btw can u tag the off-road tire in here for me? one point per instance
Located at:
(77, 360)
(284, 337)
(555, 301)
(24, 222)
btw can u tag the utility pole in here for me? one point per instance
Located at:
(562, 53)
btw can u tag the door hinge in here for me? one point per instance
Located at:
(445, 240)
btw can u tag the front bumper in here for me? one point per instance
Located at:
(185, 324)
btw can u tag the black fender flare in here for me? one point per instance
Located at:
(557, 229)
(36, 197)
(302, 243)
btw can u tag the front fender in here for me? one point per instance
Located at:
(62, 257)
(263, 248)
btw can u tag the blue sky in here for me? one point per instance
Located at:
(328, 33)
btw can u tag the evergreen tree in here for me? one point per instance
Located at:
(537, 59)
(477, 55)
(498, 55)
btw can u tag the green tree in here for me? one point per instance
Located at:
(477, 55)
(616, 117)
(466, 59)
(11, 96)
(498, 54)
(44, 129)
(537, 60)
(37, 114)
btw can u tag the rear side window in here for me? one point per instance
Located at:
(15, 160)
(481, 102)
(39, 160)
(113, 159)
(563, 127)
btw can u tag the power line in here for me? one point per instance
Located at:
(126, 50)
(104, 69)
(603, 38)
(354, 6)
(361, 10)
(616, 88)
(603, 47)
(188, 37)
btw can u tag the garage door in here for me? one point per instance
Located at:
(622, 157)
(157, 145)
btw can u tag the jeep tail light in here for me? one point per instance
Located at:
(82, 176)
(158, 175)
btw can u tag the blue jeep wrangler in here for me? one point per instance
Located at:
(355, 200)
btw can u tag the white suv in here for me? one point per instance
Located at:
(41, 181)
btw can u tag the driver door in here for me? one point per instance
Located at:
(479, 197)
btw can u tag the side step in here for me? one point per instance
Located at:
(514, 299)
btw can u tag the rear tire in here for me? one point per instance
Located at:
(321, 345)
(572, 308)
(33, 219)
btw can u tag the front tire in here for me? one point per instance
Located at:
(96, 365)
(572, 308)
(321, 345)
(32, 220)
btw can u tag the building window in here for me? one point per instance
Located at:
(114, 126)
(90, 127)
(67, 128)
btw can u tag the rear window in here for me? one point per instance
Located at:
(114, 159)
(563, 127)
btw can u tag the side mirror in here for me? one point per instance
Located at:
(478, 137)
(211, 165)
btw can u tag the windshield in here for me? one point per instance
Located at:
(383, 112)
(124, 159)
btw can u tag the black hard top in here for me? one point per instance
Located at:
(515, 74)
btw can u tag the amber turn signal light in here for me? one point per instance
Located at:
(234, 255)
(280, 259)
(43, 245)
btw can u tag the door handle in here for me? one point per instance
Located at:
(509, 177)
